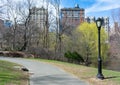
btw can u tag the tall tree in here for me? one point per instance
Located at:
(25, 13)
(61, 28)
(10, 13)
(56, 4)
(88, 42)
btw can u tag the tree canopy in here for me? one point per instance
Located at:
(87, 34)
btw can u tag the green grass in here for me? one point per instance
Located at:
(87, 73)
(9, 75)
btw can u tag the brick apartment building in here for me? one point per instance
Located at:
(72, 17)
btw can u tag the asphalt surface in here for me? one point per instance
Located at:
(45, 74)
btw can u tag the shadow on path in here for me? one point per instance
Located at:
(111, 77)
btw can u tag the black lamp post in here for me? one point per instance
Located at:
(99, 75)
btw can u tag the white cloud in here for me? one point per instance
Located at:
(103, 5)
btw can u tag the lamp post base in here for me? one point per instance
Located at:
(100, 76)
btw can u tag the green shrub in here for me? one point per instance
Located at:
(68, 55)
(74, 57)
(77, 57)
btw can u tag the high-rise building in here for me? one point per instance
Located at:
(90, 19)
(7, 23)
(39, 16)
(116, 27)
(105, 22)
(39, 20)
(72, 17)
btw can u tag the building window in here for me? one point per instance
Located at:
(81, 14)
(69, 13)
(76, 13)
(63, 15)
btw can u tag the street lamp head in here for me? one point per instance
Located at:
(99, 23)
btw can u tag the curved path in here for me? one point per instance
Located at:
(45, 74)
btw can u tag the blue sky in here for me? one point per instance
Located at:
(97, 8)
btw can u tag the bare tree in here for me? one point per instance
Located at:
(114, 41)
(56, 4)
(25, 13)
(11, 15)
(61, 28)
(116, 20)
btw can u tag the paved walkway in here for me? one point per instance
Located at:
(45, 74)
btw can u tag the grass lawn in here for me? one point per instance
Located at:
(9, 75)
(87, 73)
